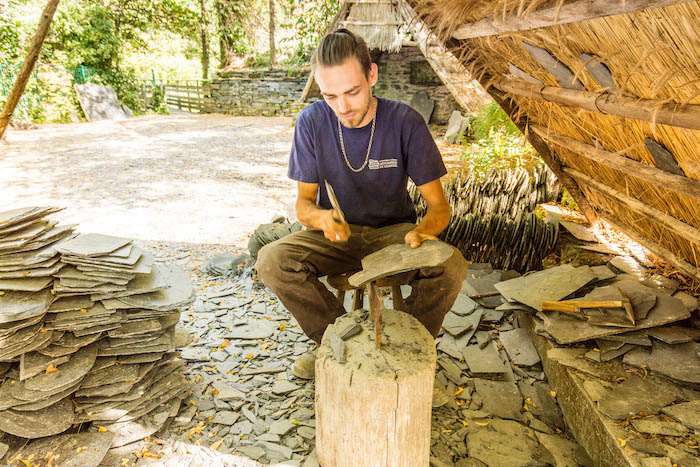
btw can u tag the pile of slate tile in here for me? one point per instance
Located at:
(493, 219)
(604, 347)
(87, 329)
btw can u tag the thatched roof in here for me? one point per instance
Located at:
(377, 22)
(620, 80)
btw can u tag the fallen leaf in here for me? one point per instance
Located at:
(622, 442)
(51, 368)
(217, 444)
(102, 429)
(483, 423)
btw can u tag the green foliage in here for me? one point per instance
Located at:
(310, 21)
(496, 143)
(492, 117)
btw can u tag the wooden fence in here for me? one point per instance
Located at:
(192, 95)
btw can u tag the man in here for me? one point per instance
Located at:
(366, 148)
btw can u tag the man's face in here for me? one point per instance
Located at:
(347, 90)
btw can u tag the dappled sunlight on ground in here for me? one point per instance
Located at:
(183, 178)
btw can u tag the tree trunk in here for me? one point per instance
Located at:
(205, 40)
(374, 409)
(28, 65)
(273, 50)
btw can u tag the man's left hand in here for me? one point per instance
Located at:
(414, 238)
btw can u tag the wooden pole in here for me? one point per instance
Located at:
(663, 253)
(648, 110)
(568, 12)
(674, 225)
(677, 183)
(28, 65)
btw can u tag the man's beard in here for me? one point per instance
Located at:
(360, 116)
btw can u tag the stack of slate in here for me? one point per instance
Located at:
(493, 217)
(93, 340)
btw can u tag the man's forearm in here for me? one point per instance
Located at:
(434, 221)
(309, 214)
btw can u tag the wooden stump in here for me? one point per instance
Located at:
(375, 409)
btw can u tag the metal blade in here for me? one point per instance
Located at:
(334, 202)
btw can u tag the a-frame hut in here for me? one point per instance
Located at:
(407, 64)
(608, 93)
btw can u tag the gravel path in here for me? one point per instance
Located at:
(179, 178)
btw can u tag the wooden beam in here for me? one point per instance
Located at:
(686, 231)
(448, 68)
(568, 12)
(649, 110)
(663, 253)
(28, 65)
(676, 183)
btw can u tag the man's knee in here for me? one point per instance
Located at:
(269, 262)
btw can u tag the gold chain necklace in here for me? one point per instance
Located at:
(369, 147)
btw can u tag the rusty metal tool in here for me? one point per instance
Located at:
(376, 306)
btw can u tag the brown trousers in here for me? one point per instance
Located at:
(290, 267)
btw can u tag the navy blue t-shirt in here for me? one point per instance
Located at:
(376, 196)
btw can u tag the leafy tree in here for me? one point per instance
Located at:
(310, 21)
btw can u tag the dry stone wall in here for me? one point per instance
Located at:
(257, 92)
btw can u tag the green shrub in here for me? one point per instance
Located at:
(496, 143)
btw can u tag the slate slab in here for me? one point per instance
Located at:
(680, 362)
(635, 395)
(423, 104)
(688, 413)
(99, 102)
(629, 265)
(581, 232)
(519, 346)
(40, 423)
(15, 306)
(92, 244)
(73, 450)
(69, 372)
(283, 387)
(561, 73)
(663, 157)
(34, 363)
(179, 294)
(256, 329)
(549, 285)
(456, 126)
(225, 417)
(504, 442)
(659, 427)
(395, 259)
(499, 398)
(674, 334)
(483, 361)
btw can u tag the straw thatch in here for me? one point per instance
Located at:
(378, 23)
(652, 54)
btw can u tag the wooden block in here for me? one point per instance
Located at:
(375, 408)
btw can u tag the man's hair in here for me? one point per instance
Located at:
(338, 46)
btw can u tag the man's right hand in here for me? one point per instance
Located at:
(334, 229)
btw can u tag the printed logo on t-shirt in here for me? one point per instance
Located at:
(375, 164)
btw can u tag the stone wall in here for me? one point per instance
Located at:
(266, 92)
(403, 74)
(275, 92)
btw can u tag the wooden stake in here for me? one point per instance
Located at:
(648, 110)
(28, 65)
(677, 183)
(569, 12)
(674, 225)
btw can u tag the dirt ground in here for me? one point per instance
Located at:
(209, 179)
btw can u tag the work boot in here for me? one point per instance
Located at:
(304, 366)
(440, 396)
